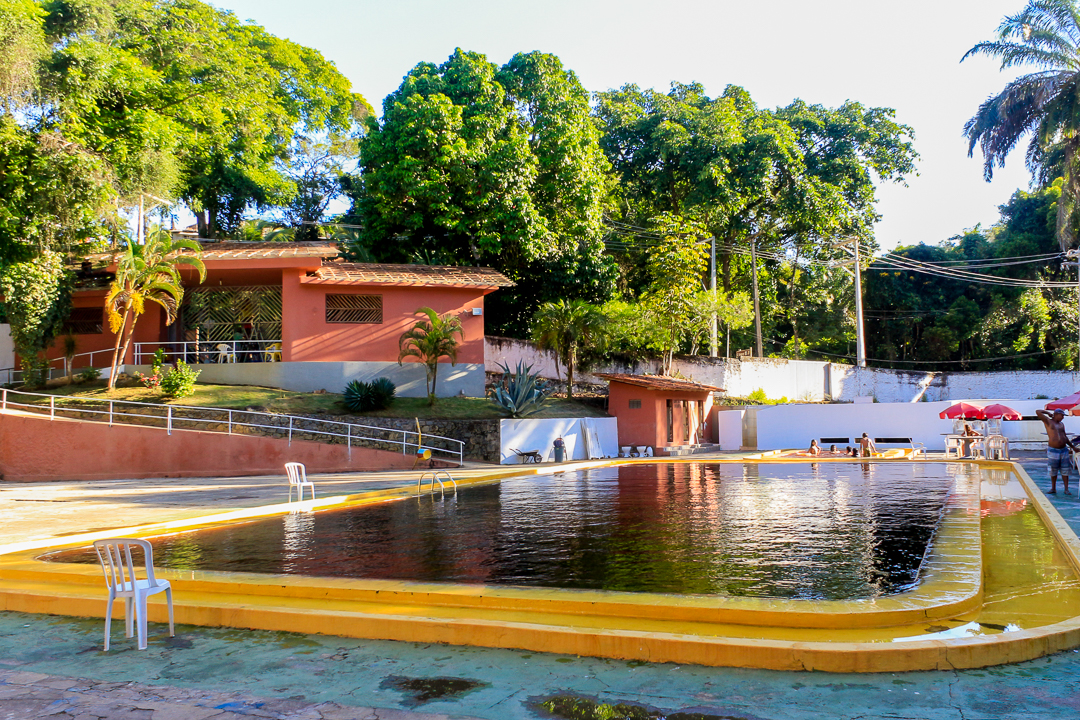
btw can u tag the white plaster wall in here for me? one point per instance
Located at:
(334, 376)
(793, 426)
(540, 434)
(730, 426)
(803, 380)
(7, 347)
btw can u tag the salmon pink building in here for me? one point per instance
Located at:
(292, 315)
(660, 412)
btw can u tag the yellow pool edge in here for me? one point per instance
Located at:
(258, 613)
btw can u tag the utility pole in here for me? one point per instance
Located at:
(714, 351)
(1075, 255)
(860, 341)
(757, 306)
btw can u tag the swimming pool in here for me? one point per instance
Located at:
(997, 580)
(809, 531)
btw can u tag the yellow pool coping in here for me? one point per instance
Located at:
(470, 614)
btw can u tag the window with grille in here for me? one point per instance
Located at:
(84, 321)
(354, 309)
(635, 404)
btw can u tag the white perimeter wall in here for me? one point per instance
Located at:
(7, 347)
(793, 426)
(807, 380)
(540, 434)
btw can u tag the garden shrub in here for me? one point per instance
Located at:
(89, 375)
(179, 381)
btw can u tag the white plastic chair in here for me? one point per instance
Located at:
(115, 557)
(226, 354)
(953, 446)
(298, 479)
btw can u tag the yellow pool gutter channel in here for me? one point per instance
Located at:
(632, 626)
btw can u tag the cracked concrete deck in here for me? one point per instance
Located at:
(54, 667)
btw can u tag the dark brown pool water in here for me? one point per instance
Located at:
(816, 531)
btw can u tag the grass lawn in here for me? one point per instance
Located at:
(240, 397)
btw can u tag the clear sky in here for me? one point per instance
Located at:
(900, 55)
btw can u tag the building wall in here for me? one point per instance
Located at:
(149, 328)
(647, 425)
(309, 338)
(96, 451)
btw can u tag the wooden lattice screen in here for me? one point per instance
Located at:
(218, 313)
(354, 309)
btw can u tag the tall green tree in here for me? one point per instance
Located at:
(566, 327)
(37, 300)
(1044, 104)
(22, 45)
(676, 266)
(476, 164)
(184, 100)
(430, 340)
(53, 194)
(145, 273)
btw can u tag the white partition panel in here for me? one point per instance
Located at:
(528, 435)
(793, 426)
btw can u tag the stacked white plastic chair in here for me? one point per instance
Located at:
(116, 561)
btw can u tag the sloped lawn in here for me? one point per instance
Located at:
(241, 397)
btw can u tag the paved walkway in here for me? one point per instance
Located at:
(54, 667)
(32, 511)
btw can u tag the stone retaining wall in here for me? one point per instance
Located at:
(481, 437)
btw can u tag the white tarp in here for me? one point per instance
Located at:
(528, 435)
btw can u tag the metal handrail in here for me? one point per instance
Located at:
(11, 372)
(435, 477)
(235, 420)
(208, 350)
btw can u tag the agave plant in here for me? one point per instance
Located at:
(521, 392)
(360, 396)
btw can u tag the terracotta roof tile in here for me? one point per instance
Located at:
(239, 250)
(236, 250)
(411, 274)
(655, 382)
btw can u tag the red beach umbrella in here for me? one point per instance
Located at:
(1066, 403)
(997, 410)
(963, 410)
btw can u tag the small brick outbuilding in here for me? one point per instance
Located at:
(660, 411)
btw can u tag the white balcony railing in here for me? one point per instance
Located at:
(210, 351)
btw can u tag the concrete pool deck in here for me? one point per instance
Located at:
(271, 667)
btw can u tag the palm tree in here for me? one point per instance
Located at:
(1046, 103)
(430, 340)
(565, 326)
(144, 273)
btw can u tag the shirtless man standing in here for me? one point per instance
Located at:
(1057, 456)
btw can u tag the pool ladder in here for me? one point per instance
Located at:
(435, 477)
